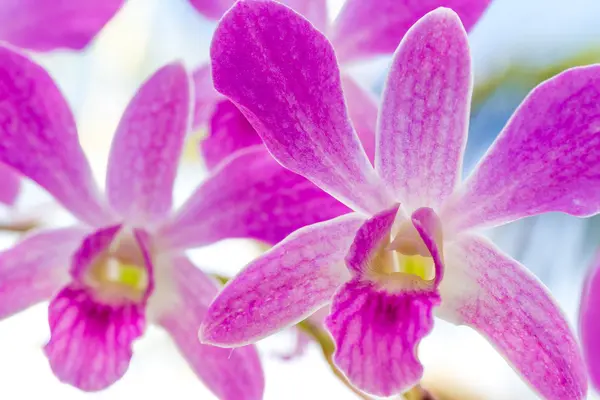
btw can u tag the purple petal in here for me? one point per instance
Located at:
(91, 343)
(547, 158)
(241, 195)
(425, 111)
(589, 324)
(429, 227)
(366, 28)
(229, 132)
(10, 185)
(44, 25)
(377, 333)
(206, 97)
(286, 284)
(91, 247)
(38, 137)
(230, 374)
(147, 146)
(362, 109)
(36, 268)
(283, 76)
(491, 292)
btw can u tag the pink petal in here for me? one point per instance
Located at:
(362, 109)
(547, 158)
(244, 192)
(91, 343)
(44, 25)
(377, 333)
(35, 268)
(491, 292)
(39, 137)
(425, 111)
(286, 284)
(147, 146)
(230, 374)
(10, 185)
(429, 227)
(367, 28)
(229, 132)
(283, 76)
(206, 97)
(589, 324)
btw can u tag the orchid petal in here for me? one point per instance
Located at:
(429, 227)
(90, 346)
(547, 158)
(91, 247)
(35, 268)
(147, 146)
(365, 29)
(589, 324)
(289, 88)
(244, 192)
(362, 109)
(48, 25)
(288, 283)
(425, 111)
(230, 374)
(494, 294)
(38, 137)
(229, 132)
(10, 185)
(206, 97)
(377, 334)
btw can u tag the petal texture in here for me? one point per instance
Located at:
(424, 116)
(230, 374)
(147, 146)
(244, 193)
(36, 268)
(376, 335)
(38, 137)
(494, 294)
(589, 324)
(286, 284)
(45, 25)
(229, 131)
(547, 158)
(10, 185)
(283, 75)
(365, 29)
(362, 109)
(90, 346)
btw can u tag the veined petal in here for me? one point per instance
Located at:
(362, 109)
(10, 185)
(285, 285)
(229, 132)
(589, 324)
(90, 346)
(365, 28)
(38, 137)
(282, 74)
(494, 294)
(35, 268)
(547, 158)
(244, 192)
(147, 146)
(230, 374)
(424, 116)
(206, 97)
(90, 248)
(377, 333)
(44, 25)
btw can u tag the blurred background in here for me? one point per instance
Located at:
(516, 45)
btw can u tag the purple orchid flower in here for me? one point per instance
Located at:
(412, 245)
(364, 29)
(589, 323)
(123, 264)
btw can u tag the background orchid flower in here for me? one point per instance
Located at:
(122, 265)
(412, 247)
(589, 323)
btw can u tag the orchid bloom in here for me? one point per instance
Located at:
(363, 29)
(589, 323)
(122, 264)
(412, 246)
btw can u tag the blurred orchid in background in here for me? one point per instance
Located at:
(402, 264)
(589, 323)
